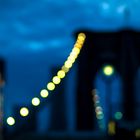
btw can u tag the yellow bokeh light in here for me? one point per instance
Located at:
(81, 36)
(73, 55)
(108, 70)
(68, 64)
(76, 50)
(111, 128)
(56, 80)
(24, 112)
(44, 93)
(71, 58)
(61, 74)
(35, 101)
(137, 133)
(77, 45)
(65, 69)
(51, 86)
(10, 121)
(80, 42)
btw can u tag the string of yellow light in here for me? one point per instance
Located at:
(56, 80)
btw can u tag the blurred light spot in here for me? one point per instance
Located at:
(118, 115)
(10, 121)
(72, 59)
(101, 124)
(74, 55)
(61, 74)
(108, 70)
(24, 112)
(56, 80)
(35, 101)
(94, 92)
(98, 109)
(80, 43)
(111, 128)
(77, 45)
(81, 36)
(137, 133)
(51, 86)
(76, 50)
(65, 69)
(44, 93)
(96, 98)
(100, 115)
(68, 64)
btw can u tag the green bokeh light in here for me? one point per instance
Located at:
(118, 115)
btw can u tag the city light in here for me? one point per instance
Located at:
(118, 115)
(44, 93)
(24, 112)
(10, 121)
(35, 101)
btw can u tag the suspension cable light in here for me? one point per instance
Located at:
(68, 64)
(10, 121)
(24, 112)
(61, 74)
(65, 69)
(35, 101)
(51, 86)
(71, 58)
(56, 79)
(44, 93)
